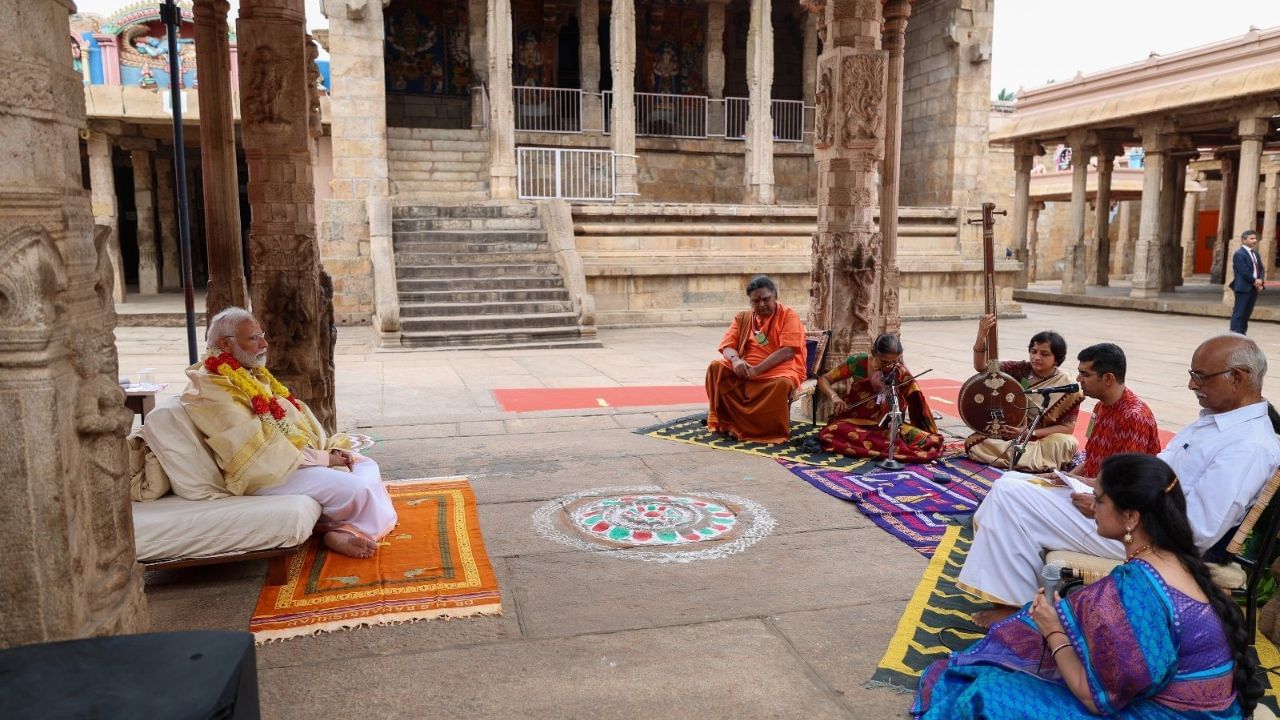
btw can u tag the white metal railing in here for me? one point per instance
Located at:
(544, 173)
(663, 115)
(788, 119)
(541, 109)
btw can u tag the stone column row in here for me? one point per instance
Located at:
(1252, 131)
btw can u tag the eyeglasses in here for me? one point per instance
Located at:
(256, 337)
(1201, 378)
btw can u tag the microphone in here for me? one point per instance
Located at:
(1051, 577)
(1068, 388)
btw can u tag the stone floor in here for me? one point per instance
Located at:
(1197, 297)
(792, 627)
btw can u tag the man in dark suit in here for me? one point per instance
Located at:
(1250, 276)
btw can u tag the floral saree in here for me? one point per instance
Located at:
(857, 431)
(1148, 651)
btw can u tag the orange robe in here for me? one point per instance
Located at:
(758, 409)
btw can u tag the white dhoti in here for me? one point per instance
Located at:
(1013, 527)
(356, 498)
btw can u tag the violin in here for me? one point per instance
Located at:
(991, 399)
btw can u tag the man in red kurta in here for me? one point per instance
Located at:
(1122, 422)
(762, 361)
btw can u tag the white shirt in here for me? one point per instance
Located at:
(1222, 460)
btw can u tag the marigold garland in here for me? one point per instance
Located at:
(266, 407)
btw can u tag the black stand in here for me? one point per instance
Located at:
(894, 417)
(1020, 444)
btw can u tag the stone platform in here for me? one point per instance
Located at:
(1197, 297)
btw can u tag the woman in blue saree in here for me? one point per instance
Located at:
(1154, 639)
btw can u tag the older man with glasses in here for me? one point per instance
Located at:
(1222, 460)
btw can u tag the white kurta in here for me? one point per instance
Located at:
(1221, 460)
(356, 498)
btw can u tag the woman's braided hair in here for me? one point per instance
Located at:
(1146, 484)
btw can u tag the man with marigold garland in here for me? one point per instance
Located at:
(268, 442)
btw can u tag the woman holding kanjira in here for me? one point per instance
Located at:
(855, 427)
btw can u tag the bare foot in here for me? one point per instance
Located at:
(350, 545)
(986, 618)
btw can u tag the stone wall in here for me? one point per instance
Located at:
(946, 102)
(428, 111)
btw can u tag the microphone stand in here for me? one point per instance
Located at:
(894, 417)
(1019, 445)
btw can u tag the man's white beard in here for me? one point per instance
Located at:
(251, 361)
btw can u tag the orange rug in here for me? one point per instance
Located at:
(432, 565)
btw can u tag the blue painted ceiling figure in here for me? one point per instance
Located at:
(529, 60)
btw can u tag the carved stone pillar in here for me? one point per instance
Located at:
(1100, 258)
(1125, 239)
(145, 209)
(1024, 157)
(1267, 239)
(622, 123)
(1148, 260)
(218, 171)
(170, 264)
(69, 569)
(1252, 131)
(1171, 232)
(589, 62)
(1226, 217)
(1188, 235)
(357, 227)
(759, 139)
(714, 70)
(1033, 241)
(847, 270)
(894, 38)
(1074, 272)
(478, 29)
(288, 296)
(502, 112)
(102, 183)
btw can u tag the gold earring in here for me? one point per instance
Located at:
(1128, 536)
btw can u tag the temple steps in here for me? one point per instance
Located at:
(480, 275)
(436, 165)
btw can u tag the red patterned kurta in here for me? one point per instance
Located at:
(1126, 427)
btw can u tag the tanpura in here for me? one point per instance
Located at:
(991, 401)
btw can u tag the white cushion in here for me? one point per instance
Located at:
(186, 459)
(147, 480)
(172, 528)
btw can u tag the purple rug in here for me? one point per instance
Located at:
(910, 503)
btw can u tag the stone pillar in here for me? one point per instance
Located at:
(66, 526)
(219, 175)
(589, 62)
(1100, 261)
(1125, 238)
(170, 263)
(102, 184)
(1226, 216)
(809, 69)
(622, 66)
(1267, 239)
(846, 277)
(1033, 241)
(1188, 235)
(1024, 157)
(1175, 184)
(288, 296)
(759, 140)
(714, 70)
(893, 39)
(1074, 272)
(478, 29)
(145, 209)
(357, 217)
(502, 112)
(1148, 261)
(1252, 131)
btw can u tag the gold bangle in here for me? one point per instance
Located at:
(1054, 652)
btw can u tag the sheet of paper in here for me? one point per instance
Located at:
(1075, 485)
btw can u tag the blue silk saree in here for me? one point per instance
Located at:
(1148, 651)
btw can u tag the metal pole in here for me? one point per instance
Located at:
(172, 19)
